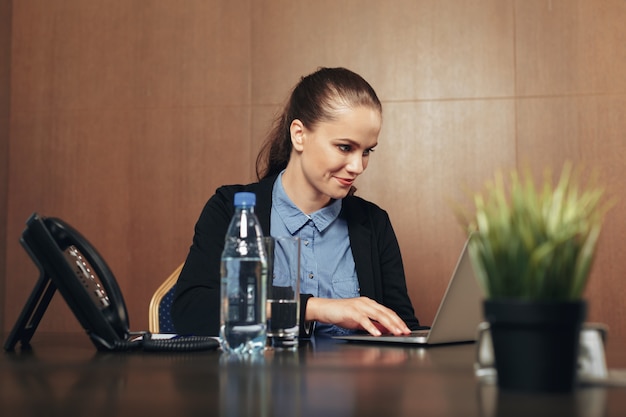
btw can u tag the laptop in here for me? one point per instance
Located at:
(457, 318)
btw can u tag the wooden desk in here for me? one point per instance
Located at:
(65, 376)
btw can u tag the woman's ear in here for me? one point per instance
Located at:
(297, 134)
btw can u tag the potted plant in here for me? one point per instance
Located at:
(532, 249)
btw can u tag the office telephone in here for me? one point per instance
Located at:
(67, 262)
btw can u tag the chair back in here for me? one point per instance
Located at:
(159, 317)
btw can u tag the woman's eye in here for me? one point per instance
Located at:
(350, 148)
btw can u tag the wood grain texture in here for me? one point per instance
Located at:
(430, 155)
(126, 115)
(125, 118)
(5, 98)
(570, 47)
(407, 49)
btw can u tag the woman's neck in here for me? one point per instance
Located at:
(302, 194)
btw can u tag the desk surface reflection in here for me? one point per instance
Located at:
(64, 376)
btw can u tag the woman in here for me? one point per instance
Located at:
(307, 168)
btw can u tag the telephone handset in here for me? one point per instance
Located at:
(70, 264)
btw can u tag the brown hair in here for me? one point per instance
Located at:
(314, 99)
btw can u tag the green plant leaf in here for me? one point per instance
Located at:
(535, 242)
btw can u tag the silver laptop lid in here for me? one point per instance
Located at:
(460, 310)
(458, 314)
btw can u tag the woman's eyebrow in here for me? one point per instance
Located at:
(355, 143)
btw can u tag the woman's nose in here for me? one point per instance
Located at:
(356, 165)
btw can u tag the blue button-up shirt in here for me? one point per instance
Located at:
(327, 266)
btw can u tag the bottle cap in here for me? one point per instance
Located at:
(245, 199)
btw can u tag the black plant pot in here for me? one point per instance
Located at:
(535, 343)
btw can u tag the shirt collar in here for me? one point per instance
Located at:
(294, 218)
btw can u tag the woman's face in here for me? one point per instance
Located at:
(334, 153)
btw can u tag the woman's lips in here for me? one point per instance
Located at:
(345, 181)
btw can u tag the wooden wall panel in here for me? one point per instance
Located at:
(5, 88)
(407, 49)
(154, 104)
(418, 53)
(570, 47)
(605, 146)
(571, 83)
(422, 169)
(432, 140)
(126, 116)
(587, 130)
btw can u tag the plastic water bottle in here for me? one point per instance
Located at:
(243, 281)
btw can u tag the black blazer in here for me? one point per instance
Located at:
(196, 306)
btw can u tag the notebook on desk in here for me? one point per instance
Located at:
(457, 318)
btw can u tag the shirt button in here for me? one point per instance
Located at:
(311, 275)
(306, 243)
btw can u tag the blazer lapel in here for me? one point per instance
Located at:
(361, 244)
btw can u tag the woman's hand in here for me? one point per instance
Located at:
(356, 313)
